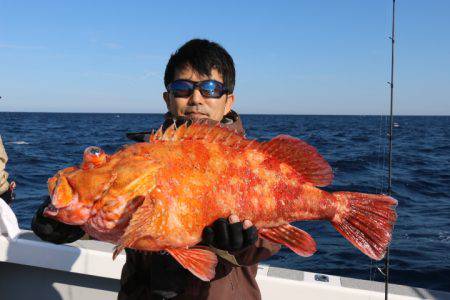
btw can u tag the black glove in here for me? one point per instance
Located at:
(230, 237)
(53, 231)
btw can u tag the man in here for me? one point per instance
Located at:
(199, 79)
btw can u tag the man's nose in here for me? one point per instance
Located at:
(196, 97)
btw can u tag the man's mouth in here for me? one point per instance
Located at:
(196, 115)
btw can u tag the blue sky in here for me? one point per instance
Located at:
(297, 57)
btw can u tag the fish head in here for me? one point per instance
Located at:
(65, 203)
(74, 190)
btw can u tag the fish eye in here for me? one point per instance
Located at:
(93, 150)
(93, 157)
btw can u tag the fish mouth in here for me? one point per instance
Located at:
(50, 211)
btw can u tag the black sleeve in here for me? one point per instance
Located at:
(53, 231)
(152, 275)
(8, 196)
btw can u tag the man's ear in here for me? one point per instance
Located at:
(229, 103)
(166, 97)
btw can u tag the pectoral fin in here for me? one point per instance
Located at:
(295, 239)
(200, 261)
(138, 225)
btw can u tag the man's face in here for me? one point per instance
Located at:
(196, 106)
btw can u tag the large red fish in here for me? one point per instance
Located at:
(161, 194)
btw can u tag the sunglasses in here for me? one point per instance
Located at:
(183, 88)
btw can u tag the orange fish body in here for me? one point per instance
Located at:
(161, 195)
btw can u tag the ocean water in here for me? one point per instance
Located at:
(40, 144)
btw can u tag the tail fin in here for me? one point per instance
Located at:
(366, 222)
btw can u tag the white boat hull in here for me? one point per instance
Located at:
(33, 269)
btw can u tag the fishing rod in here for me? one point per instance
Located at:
(391, 129)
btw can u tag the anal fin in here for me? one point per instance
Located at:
(200, 261)
(295, 239)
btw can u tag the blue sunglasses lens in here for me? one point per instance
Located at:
(211, 89)
(208, 88)
(181, 88)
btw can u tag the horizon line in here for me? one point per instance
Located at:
(269, 114)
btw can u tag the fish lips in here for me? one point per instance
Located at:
(50, 211)
(53, 208)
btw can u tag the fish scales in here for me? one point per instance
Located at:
(187, 187)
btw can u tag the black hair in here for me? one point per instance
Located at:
(202, 56)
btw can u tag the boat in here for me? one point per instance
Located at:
(33, 269)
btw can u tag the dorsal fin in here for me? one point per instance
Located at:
(298, 154)
(199, 130)
(303, 157)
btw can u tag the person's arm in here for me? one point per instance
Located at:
(4, 185)
(53, 231)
